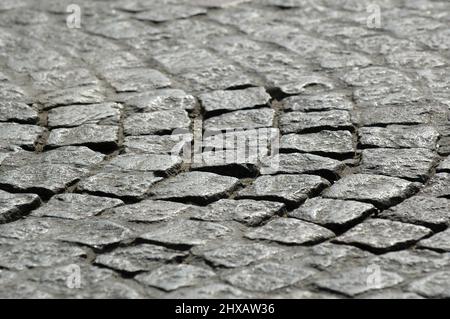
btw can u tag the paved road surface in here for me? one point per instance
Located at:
(206, 148)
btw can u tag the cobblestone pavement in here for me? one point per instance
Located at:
(98, 198)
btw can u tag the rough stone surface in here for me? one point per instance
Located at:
(296, 163)
(234, 100)
(236, 254)
(196, 186)
(88, 134)
(267, 276)
(14, 206)
(136, 80)
(20, 134)
(48, 180)
(120, 184)
(160, 100)
(290, 231)
(31, 254)
(149, 211)
(291, 189)
(356, 281)
(382, 235)
(71, 96)
(433, 286)
(297, 122)
(142, 257)
(171, 277)
(333, 213)
(79, 156)
(400, 115)
(248, 212)
(75, 206)
(318, 102)
(240, 120)
(186, 233)
(445, 165)
(421, 210)
(17, 112)
(76, 115)
(224, 149)
(159, 122)
(95, 233)
(438, 186)
(146, 163)
(376, 189)
(414, 164)
(439, 242)
(154, 144)
(337, 143)
(398, 136)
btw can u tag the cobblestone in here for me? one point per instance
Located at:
(115, 136)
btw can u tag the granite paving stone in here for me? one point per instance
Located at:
(169, 12)
(14, 206)
(159, 122)
(383, 235)
(422, 210)
(11, 111)
(357, 281)
(160, 100)
(445, 165)
(172, 277)
(438, 186)
(92, 135)
(149, 211)
(146, 163)
(186, 233)
(399, 136)
(32, 254)
(248, 212)
(157, 144)
(80, 156)
(291, 189)
(267, 276)
(240, 120)
(290, 231)
(377, 189)
(195, 186)
(235, 254)
(297, 122)
(333, 213)
(301, 163)
(136, 80)
(412, 164)
(413, 262)
(221, 101)
(24, 135)
(143, 257)
(75, 206)
(398, 115)
(319, 102)
(69, 96)
(333, 143)
(94, 233)
(231, 149)
(48, 180)
(435, 285)
(119, 184)
(438, 242)
(76, 115)
(236, 162)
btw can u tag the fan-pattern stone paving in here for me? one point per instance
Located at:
(105, 191)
